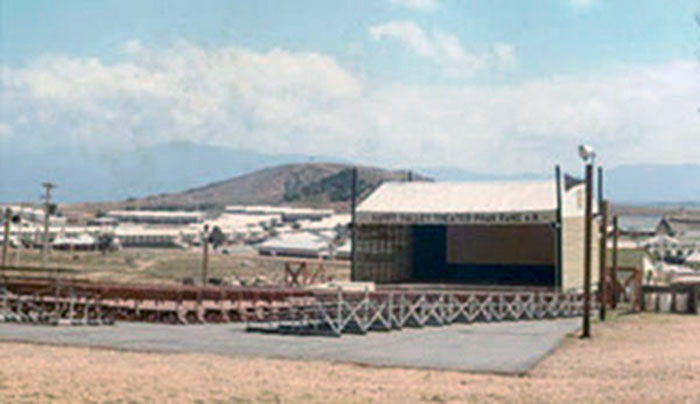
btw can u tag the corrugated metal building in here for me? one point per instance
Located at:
(498, 233)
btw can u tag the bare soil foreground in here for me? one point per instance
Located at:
(640, 358)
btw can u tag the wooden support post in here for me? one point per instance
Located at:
(673, 301)
(693, 295)
(613, 273)
(603, 274)
(6, 235)
(587, 259)
(353, 227)
(205, 256)
(638, 290)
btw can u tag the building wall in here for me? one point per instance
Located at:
(573, 238)
(383, 253)
(498, 245)
(466, 254)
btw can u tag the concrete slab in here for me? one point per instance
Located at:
(508, 347)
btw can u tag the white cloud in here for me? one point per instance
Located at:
(581, 3)
(287, 102)
(132, 46)
(5, 130)
(444, 49)
(419, 5)
(406, 32)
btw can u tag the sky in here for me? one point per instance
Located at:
(496, 86)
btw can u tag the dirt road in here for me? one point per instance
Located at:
(641, 358)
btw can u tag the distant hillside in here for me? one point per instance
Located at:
(310, 184)
(109, 175)
(642, 184)
(112, 175)
(654, 184)
(460, 175)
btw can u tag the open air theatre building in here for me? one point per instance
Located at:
(497, 233)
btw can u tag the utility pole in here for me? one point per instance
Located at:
(48, 186)
(587, 253)
(353, 229)
(613, 274)
(20, 246)
(353, 224)
(6, 234)
(205, 258)
(603, 275)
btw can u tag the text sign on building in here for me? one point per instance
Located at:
(456, 218)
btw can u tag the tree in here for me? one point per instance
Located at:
(105, 243)
(216, 237)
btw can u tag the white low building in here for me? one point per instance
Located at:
(344, 251)
(156, 216)
(288, 213)
(132, 236)
(81, 242)
(693, 260)
(33, 215)
(295, 245)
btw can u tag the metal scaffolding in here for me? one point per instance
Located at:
(359, 313)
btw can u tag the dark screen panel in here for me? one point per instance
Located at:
(527, 245)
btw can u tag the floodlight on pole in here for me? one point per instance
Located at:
(588, 156)
(586, 153)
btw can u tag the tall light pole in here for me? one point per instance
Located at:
(588, 156)
(603, 246)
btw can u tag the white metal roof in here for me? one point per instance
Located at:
(464, 197)
(276, 210)
(693, 258)
(661, 240)
(83, 239)
(297, 241)
(154, 214)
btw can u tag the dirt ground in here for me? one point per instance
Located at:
(636, 358)
(172, 265)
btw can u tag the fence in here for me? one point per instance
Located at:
(351, 312)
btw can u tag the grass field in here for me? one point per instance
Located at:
(648, 358)
(171, 265)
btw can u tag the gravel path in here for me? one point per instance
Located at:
(506, 347)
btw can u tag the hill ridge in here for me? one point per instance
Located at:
(318, 184)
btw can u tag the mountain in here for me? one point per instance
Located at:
(117, 175)
(442, 173)
(650, 184)
(308, 184)
(654, 184)
(86, 175)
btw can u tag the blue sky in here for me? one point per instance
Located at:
(552, 36)
(401, 82)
